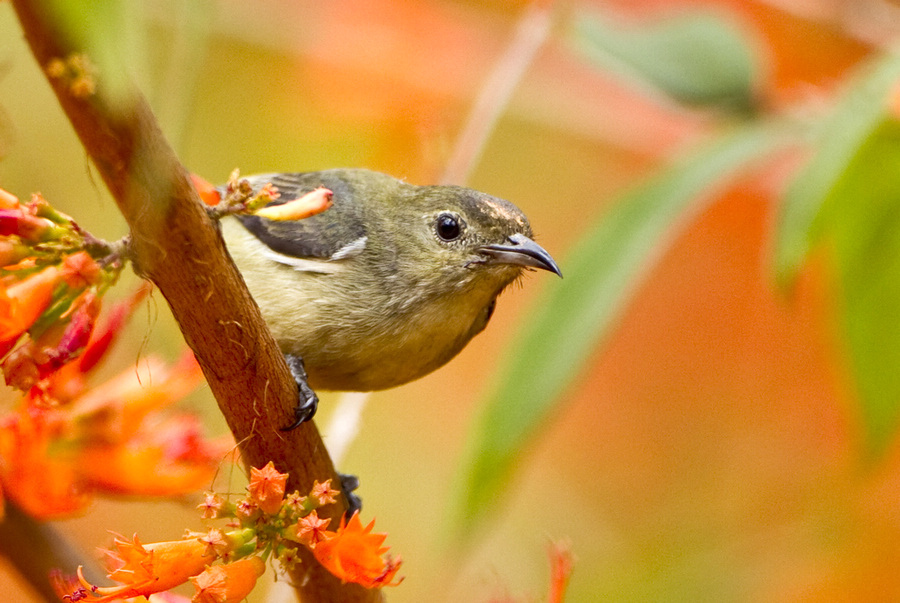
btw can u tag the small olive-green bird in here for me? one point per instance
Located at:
(388, 284)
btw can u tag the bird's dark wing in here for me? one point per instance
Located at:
(334, 234)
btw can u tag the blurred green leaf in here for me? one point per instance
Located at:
(697, 59)
(601, 275)
(839, 140)
(860, 222)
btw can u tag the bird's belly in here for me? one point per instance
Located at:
(383, 361)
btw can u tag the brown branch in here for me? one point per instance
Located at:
(179, 248)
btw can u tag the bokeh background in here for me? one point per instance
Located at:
(711, 447)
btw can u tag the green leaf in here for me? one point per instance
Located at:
(860, 222)
(601, 275)
(839, 140)
(697, 59)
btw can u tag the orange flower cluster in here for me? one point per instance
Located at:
(64, 442)
(52, 275)
(265, 524)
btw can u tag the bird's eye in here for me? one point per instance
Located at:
(448, 227)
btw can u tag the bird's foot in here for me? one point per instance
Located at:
(308, 401)
(349, 483)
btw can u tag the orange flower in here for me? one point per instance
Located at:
(311, 530)
(115, 410)
(41, 478)
(68, 382)
(80, 270)
(164, 459)
(229, 583)
(323, 493)
(353, 554)
(212, 505)
(102, 339)
(147, 569)
(266, 488)
(23, 302)
(66, 442)
(208, 193)
(35, 359)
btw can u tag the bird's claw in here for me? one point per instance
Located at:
(308, 401)
(304, 411)
(349, 483)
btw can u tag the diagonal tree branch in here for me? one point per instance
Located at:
(179, 248)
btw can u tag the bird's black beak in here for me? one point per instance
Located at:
(521, 251)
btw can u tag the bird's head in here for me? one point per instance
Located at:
(471, 238)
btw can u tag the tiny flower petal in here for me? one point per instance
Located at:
(80, 270)
(296, 502)
(246, 510)
(288, 558)
(212, 506)
(266, 488)
(216, 542)
(311, 530)
(323, 493)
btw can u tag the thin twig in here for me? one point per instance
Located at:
(344, 424)
(532, 30)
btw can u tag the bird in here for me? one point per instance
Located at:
(384, 287)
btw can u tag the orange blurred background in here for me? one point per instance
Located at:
(709, 452)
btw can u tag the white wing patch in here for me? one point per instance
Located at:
(303, 264)
(350, 250)
(330, 266)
